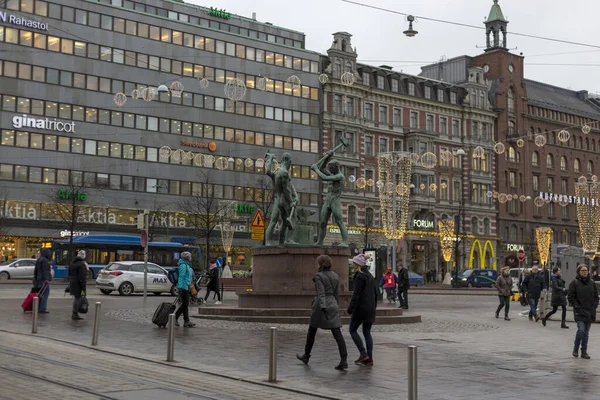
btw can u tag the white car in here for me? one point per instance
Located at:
(128, 277)
(19, 268)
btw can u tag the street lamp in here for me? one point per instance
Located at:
(410, 32)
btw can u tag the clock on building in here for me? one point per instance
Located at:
(511, 68)
(486, 68)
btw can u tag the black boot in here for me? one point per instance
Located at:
(564, 325)
(544, 321)
(76, 317)
(343, 364)
(304, 358)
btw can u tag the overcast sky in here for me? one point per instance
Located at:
(378, 35)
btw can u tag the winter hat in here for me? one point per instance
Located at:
(360, 260)
(186, 255)
(81, 254)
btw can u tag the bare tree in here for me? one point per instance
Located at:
(265, 202)
(206, 211)
(156, 215)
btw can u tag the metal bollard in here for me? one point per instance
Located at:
(35, 310)
(413, 378)
(171, 338)
(96, 324)
(273, 355)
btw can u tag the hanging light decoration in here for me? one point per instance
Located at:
(432, 187)
(235, 89)
(324, 78)
(428, 160)
(478, 152)
(489, 194)
(539, 202)
(446, 231)
(522, 198)
(394, 169)
(260, 163)
(402, 189)
(221, 163)
(199, 160)
(370, 182)
(564, 135)
(520, 143)
(586, 129)
(203, 83)
(563, 201)
(294, 81)
(499, 148)
(582, 179)
(148, 94)
(543, 238)
(361, 183)
(177, 155)
(540, 140)
(176, 89)
(164, 152)
(189, 155)
(444, 185)
(594, 178)
(379, 185)
(348, 78)
(422, 186)
(239, 162)
(588, 214)
(248, 163)
(495, 194)
(261, 83)
(120, 99)
(446, 155)
(352, 179)
(415, 158)
(135, 94)
(502, 198)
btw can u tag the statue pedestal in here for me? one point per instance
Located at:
(283, 290)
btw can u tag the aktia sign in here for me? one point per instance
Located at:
(215, 12)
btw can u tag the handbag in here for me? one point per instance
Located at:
(193, 290)
(82, 305)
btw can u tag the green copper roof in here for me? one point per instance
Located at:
(496, 13)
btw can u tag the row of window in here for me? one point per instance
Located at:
(52, 176)
(141, 122)
(535, 161)
(559, 116)
(562, 236)
(141, 60)
(164, 35)
(130, 152)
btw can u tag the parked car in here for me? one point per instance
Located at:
(477, 278)
(18, 268)
(415, 279)
(128, 278)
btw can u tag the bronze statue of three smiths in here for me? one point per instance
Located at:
(286, 197)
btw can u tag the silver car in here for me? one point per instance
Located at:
(19, 268)
(128, 277)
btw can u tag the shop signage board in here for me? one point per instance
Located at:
(514, 247)
(244, 208)
(221, 13)
(25, 121)
(212, 146)
(258, 226)
(423, 223)
(68, 194)
(21, 21)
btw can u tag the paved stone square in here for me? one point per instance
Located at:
(464, 352)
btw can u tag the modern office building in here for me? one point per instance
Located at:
(539, 160)
(379, 110)
(81, 107)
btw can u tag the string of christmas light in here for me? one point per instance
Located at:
(394, 192)
(588, 213)
(543, 238)
(446, 230)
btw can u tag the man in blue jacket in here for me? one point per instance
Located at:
(42, 274)
(186, 276)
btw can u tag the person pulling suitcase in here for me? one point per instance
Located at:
(184, 281)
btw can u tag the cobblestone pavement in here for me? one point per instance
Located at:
(464, 352)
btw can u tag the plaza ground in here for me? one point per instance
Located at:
(464, 353)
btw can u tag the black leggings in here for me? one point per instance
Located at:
(554, 308)
(183, 309)
(337, 335)
(208, 293)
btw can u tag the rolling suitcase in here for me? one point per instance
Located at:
(27, 304)
(161, 315)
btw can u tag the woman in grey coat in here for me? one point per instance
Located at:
(326, 311)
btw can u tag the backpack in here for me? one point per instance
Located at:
(173, 276)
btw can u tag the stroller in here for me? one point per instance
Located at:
(196, 300)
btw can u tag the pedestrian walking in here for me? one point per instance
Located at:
(185, 279)
(326, 311)
(389, 283)
(77, 282)
(504, 286)
(583, 296)
(546, 273)
(403, 285)
(42, 275)
(213, 283)
(534, 286)
(362, 309)
(559, 298)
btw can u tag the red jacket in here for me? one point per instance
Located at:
(389, 280)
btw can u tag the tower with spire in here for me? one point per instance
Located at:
(495, 28)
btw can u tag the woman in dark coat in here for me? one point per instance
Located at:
(326, 311)
(362, 308)
(583, 296)
(559, 298)
(213, 283)
(77, 281)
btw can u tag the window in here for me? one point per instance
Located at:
(411, 89)
(369, 174)
(512, 154)
(380, 82)
(366, 79)
(563, 163)
(564, 186)
(429, 123)
(475, 193)
(368, 145)
(535, 159)
(443, 125)
(453, 98)
(352, 215)
(427, 92)
(440, 94)
(383, 145)
(590, 168)
(576, 165)
(350, 106)
(550, 182)
(414, 119)
(383, 114)
(551, 210)
(444, 190)
(512, 179)
(455, 128)
(535, 184)
(486, 227)
(397, 117)
(512, 128)
(475, 225)
(511, 100)
(369, 217)
(456, 190)
(550, 161)
(368, 115)
(395, 86)
(337, 104)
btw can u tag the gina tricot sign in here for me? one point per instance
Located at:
(24, 121)
(28, 23)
